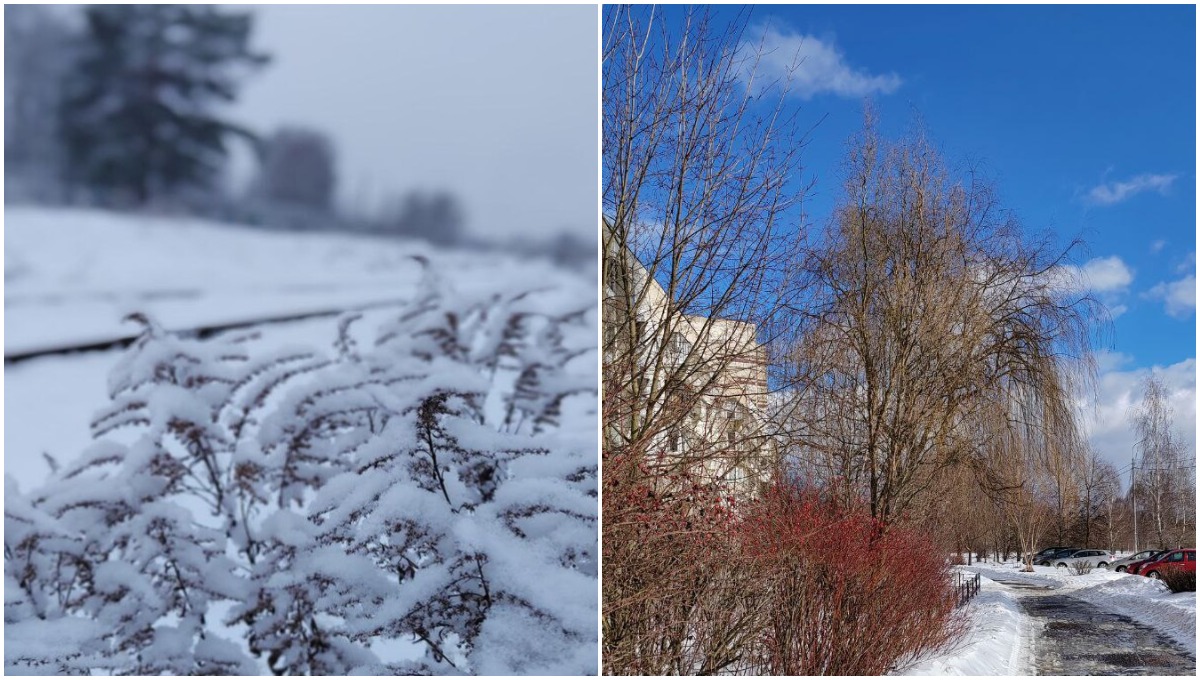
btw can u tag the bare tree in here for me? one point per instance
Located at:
(1161, 468)
(701, 213)
(939, 325)
(699, 185)
(1100, 487)
(1066, 477)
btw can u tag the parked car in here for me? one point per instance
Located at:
(1047, 553)
(1123, 563)
(1183, 559)
(1092, 558)
(1056, 555)
(1136, 567)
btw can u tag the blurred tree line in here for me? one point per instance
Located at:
(123, 106)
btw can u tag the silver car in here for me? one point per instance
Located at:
(1092, 558)
(1123, 563)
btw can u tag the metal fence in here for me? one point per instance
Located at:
(967, 586)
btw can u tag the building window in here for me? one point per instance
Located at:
(680, 348)
(673, 440)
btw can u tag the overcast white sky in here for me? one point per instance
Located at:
(497, 103)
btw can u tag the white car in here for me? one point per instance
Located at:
(1093, 558)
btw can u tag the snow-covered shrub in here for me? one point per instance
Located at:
(848, 596)
(1081, 567)
(411, 506)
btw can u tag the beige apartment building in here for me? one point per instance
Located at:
(704, 377)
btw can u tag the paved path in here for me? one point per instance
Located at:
(1078, 638)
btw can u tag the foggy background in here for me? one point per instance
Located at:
(496, 103)
(471, 126)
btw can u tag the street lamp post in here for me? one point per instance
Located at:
(1133, 499)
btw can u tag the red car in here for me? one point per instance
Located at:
(1172, 560)
(1136, 566)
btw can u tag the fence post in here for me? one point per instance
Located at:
(966, 588)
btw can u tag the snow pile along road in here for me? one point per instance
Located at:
(1150, 602)
(996, 643)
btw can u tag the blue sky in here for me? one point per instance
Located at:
(1085, 119)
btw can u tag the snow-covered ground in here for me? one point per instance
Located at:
(1000, 636)
(997, 641)
(72, 275)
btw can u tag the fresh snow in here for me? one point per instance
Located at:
(70, 277)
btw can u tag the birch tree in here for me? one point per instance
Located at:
(1160, 466)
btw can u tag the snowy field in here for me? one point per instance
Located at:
(1000, 637)
(71, 275)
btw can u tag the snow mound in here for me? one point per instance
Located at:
(996, 642)
(1148, 601)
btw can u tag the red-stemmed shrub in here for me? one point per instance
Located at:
(849, 596)
(678, 597)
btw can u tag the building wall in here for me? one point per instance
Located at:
(721, 362)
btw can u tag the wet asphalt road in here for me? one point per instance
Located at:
(1078, 638)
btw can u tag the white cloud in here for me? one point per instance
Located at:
(1115, 192)
(1099, 275)
(1188, 263)
(1106, 274)
(1179, 296)
(809, 65)
(1158, 245)
(1107, 361)
(1106, 421)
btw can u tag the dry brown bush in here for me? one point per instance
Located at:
(1180, 581)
